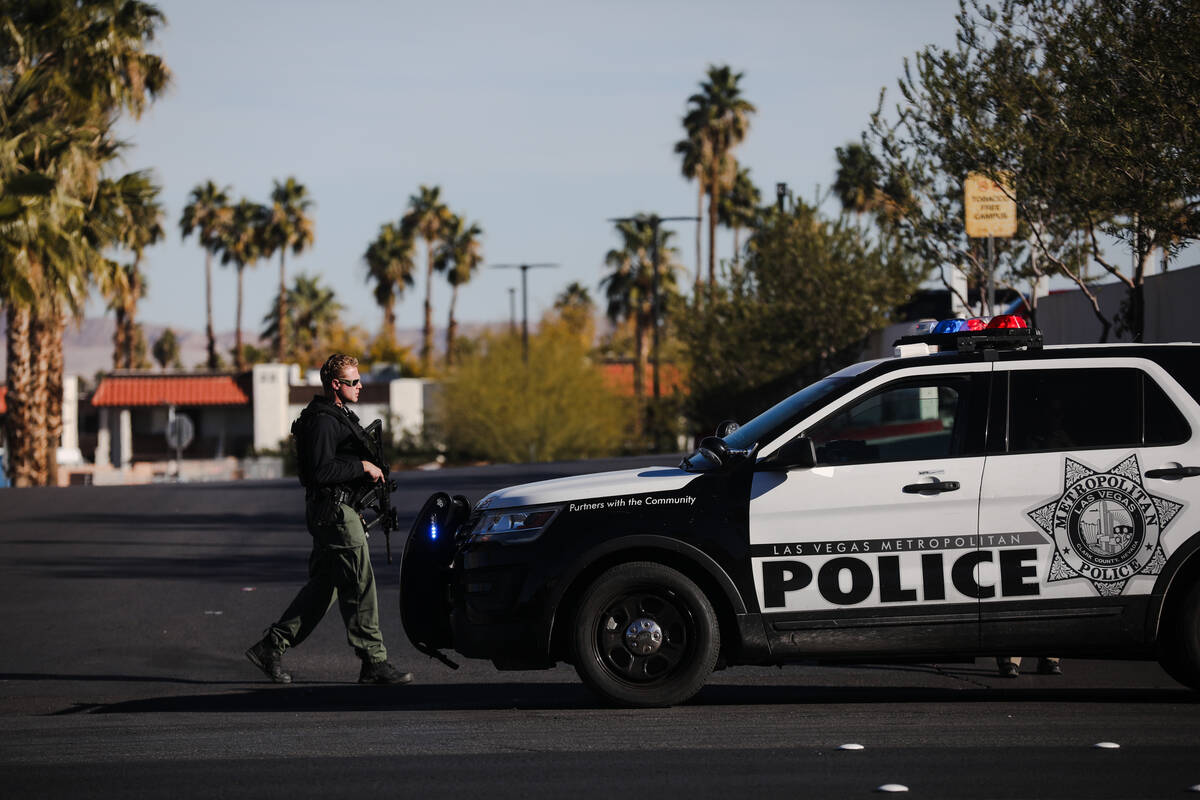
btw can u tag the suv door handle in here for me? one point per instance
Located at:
(1174, 473)
(936, 487)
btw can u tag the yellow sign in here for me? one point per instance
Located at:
(990, 208)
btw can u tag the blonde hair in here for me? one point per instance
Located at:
(335, 367)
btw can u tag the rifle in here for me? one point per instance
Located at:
(377, 495)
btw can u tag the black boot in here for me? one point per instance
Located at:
(269, 660)
(382, 673)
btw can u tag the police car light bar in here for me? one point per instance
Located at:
(1005, 332)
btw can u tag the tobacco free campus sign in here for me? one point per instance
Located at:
(990, 207)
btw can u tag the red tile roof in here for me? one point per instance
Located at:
(125, 391)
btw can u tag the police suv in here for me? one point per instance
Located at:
(975, 494)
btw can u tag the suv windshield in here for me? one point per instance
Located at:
(792, 408)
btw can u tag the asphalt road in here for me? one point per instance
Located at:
(125, 611)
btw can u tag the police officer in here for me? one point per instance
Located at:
(333, 455)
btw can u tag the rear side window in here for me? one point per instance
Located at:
(1075, 409)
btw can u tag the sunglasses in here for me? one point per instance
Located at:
(347, 382)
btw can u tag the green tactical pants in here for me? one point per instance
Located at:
(338, 568)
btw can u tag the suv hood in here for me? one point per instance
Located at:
(585, 487)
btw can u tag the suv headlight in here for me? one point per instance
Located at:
(513, 525)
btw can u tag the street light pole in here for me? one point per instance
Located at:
(524, 302)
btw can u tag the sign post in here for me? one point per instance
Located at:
(990, 210)
(180, 432)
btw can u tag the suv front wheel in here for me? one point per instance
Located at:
(645, 635)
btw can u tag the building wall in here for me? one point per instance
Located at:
(1068, 318)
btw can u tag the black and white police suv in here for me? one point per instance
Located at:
(976, 494)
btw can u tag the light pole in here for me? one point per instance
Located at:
(654, 221)
(512, 309)
(524, 301)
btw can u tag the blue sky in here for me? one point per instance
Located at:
(539, 120)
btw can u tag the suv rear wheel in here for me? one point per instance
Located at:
(645, 635)
(1182, 658)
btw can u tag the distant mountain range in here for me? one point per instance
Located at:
(88, 348)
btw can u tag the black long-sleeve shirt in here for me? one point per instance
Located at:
(333, 454)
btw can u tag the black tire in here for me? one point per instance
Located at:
(1181, 654)
(633, 668)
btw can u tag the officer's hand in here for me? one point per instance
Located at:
(375, 472)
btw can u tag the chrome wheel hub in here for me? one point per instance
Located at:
(643, 637)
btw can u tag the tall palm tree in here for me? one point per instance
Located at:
(692, 152)
(209, 215)
(314, 312)
(390, 267)
(138, 225)
(69, 69)
(427, 216)
(291, 227)
(629, 287)
(719, 117)
(739, 207)
(857, 182)
(458, 256)
(243, 245)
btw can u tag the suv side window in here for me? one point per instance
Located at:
(1164, 423)
(1075, 409)
(906, 421)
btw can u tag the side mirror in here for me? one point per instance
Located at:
(715, 450)
(799, 453)
(727, 427)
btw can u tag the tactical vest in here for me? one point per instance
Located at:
(303, 442)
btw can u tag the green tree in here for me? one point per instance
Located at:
(166, 350)
(314, 311)
(458, 256)
(718, 118)
(810, 294)
(209, 215)
(243, 246)
(390, 267)
(501, 408)
(428, 217)
(1076, 105)
(288, 226)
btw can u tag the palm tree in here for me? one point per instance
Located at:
(692, 151)
(719, 118)
(208, 214)
(314, 312)
(243, 245)
(857, 181)
(427, 216)
(458, 256)
(289, 227)
(739, 207)
(629, 289)
(390, 267)
(138, 225)
(69, 70)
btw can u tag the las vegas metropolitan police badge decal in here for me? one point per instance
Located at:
(1105, 526)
